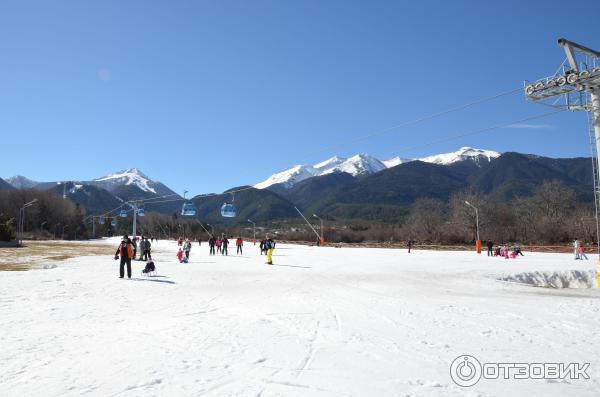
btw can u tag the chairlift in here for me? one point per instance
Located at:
(101, 220)
(188, 209)
(228, 209)
(123, 214)
(113, 222)
(141, 212)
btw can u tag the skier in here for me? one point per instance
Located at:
(218, 243)
(490, 247)
(239, 243)
(225, 243)
(576, 248)
(187, 247)
(180, 256)
(582, 254)
(199, 242)
(269, 246)
(134, 242)
(142, 249)
(409, 245)
(262, 246)
(147, 247)
(180, 242)
(517, 250)
(211, 244)
(125, 251)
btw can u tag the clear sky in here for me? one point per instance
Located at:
(208, 95)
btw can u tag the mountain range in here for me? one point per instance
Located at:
(358, 187)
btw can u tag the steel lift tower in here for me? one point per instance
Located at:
(576, 86)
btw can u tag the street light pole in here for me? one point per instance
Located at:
(322, 239)
(22, 219)
(253, 231)
(478, 242)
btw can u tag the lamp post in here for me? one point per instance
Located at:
(322, 239)
(253, 231)
(478, 242)
(22, 219)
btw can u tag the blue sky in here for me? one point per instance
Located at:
(208, 95)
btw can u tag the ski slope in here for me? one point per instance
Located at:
(320, 322)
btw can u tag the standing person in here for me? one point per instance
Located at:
(211, 244)
(582, 254)
(187, 247)
(142, 249)
(134, 243)
(270, 246)
(225, 242)
(180, 255)
(125, 251)
(576, 248)
(180, 241)
(409, 245)
(490, 247)
(219, 242)
(147, 248)
(239, 243)
(262, 246)
(199, 242)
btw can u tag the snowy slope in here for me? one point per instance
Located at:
(361, 164)
(289, 177)
(21, 182)
(321, 322)
(478, 156)
(394, 161)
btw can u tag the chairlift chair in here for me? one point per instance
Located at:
(113, 222)
(123, 214)
(101, 220)
(141, 212)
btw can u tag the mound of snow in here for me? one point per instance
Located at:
(555, 279)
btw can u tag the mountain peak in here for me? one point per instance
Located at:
(478, 156)
(130, 176)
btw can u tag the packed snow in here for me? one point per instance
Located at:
(364, 164)
(131, 176)
(319, 322)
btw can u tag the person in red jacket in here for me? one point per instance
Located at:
(239, 243)
(125, 251)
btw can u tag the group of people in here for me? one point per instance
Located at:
(127, 250)
(503, 250)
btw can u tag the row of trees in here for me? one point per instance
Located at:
(551, 215)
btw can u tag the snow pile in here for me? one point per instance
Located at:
(555, 279)
(478, 156)
(131, 176)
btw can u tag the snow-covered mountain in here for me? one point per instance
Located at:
(478, 156)
(363, 164)
(20, 182)
(394, 161)
(289, 177)
(131, 177)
